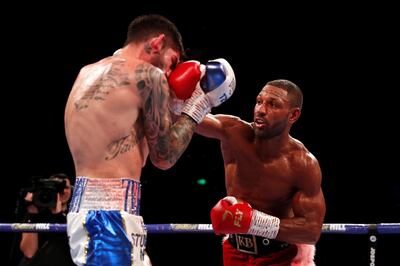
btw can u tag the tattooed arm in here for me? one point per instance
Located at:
(167, 141)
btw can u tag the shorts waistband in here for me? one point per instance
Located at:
(106, 194)
(256, 245)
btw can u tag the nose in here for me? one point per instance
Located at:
(261, 109)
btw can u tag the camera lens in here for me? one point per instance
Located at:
(46, 198)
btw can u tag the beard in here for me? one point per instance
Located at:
(269, 132)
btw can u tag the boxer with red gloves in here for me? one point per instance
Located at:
(231, 216)
(198, 87)
(275, 209)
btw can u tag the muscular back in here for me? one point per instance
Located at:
(103, 120)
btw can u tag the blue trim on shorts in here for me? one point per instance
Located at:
(79, 189)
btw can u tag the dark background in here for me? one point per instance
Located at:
(345, 59)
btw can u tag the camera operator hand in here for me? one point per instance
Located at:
(59, 206)
(32, 209)
(46, 202)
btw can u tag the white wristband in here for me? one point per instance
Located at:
(264, 225)
(197, 106)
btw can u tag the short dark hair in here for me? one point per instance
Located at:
(147, 26)
(62, 176)
(295, 94)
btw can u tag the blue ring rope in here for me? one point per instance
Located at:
(328, 228)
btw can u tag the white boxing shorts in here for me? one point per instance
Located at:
(103, 223)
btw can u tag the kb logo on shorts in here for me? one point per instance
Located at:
(246, 244)
(244, 241)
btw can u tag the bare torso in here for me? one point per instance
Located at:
(267, 182)
(103, 122)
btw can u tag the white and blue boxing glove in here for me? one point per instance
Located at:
(216, 86)
(219, 81)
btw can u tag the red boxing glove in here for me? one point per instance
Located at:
(229, 216)
(184, 79)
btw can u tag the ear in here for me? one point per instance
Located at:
(157, 43)
(294, 114)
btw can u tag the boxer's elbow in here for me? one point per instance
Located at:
(166, 153)
(308, 234)
(313, 239)
(314, 233)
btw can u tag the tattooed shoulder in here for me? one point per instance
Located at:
(148, 76)
(102, 80)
